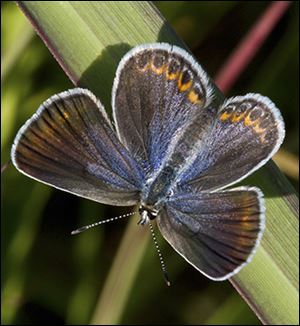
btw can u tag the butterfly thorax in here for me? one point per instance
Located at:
(158, 188)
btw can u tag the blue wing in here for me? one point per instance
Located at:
(218, 232)
(157, 91)
(247, 132)
(70, 144)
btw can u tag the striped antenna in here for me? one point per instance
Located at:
(84, 228)
(163, 266)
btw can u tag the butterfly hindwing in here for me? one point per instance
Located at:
(70, 144)
(217, 232)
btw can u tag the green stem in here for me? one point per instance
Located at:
(114, 295)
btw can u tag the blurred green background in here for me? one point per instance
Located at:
(49, 277)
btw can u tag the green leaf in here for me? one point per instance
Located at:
(88, 39)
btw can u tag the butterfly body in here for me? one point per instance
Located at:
(172, 150)
(183, 148)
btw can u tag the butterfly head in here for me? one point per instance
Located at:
(147, 213)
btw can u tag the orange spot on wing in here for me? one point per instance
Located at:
(258, 129)
(172, 76)
(158, 70)
(183, 87)
(249, 122)
(225, 115)
(145, 68)
(194, 97)
(238, 117)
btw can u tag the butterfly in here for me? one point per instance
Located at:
(172, 148)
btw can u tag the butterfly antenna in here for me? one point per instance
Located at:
(84, 228)
(163, 266)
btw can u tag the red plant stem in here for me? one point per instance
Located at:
(248, 47)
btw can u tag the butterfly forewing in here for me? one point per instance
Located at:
(158, 90)
(70, 144)
(247, 132)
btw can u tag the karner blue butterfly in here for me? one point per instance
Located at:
(173, 150)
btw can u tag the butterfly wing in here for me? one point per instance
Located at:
(157, 90)
(70, 144)
(218, 232)
(247, 132)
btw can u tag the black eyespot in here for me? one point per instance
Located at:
(197, 91)
(173, 67)
(186, 77)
